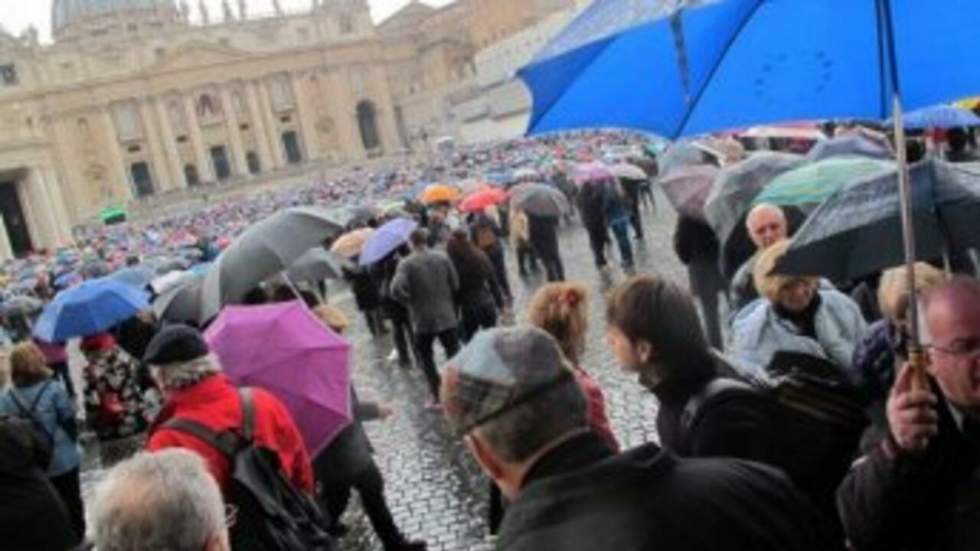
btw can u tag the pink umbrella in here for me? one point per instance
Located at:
(285, 350)
(591, 173)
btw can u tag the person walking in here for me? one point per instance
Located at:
(486, 235)
(520, 240)
(347, 463)
(543, 234)
(426, 282)
(38, 397)
(697, 248)
(618, 217)
(401, 323)
(591, 204)
(479, 296)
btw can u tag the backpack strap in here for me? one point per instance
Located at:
(247, 402)
(207, 435)
(712, 392)
(28, 412)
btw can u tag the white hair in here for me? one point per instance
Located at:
(164, 501)
(178, 375)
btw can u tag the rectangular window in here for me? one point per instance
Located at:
(8, 75)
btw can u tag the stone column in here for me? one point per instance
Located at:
(57, 197)
(258, 127)
(307, 124)
(39, 219)
(54, 208)
(161, 170)
(6, 250)
(234, 134)
(122, 189)
(170, 145)
(275, 143)
(204, 169)
(344, 108)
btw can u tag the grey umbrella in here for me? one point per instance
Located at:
(182, 301)
(21, 305)
(264, 249)
(316, 265)
(539, 199)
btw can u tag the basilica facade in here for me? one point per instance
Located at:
(137, 99)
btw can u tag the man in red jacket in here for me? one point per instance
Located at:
(195, 389)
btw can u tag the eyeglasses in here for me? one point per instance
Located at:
(960, 349)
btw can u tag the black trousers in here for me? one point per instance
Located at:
(479, 316)
(598, 238)
(371, 487)
(526, 258)
(69, 488)
(426, 355)
(496, 256)
(404, 338)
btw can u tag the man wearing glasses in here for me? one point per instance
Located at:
(512, 398)
(920, 489)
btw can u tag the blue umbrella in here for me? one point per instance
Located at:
(738, 63)
(386, 239)
(88, 309)
(941, 116)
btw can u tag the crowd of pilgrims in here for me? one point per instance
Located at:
(794, 422)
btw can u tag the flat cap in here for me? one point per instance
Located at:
(176, 343)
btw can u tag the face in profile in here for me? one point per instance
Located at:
(954, 353)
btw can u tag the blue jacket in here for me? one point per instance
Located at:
(52, 411)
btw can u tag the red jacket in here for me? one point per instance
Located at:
(214, 403)
(598, 419)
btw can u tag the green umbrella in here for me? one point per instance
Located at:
(808, 186)
(113, 214)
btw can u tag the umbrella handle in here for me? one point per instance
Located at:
(918, 363)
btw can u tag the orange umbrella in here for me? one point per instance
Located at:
(350, 244)
(440, 193)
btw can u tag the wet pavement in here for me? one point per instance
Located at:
(434, 489)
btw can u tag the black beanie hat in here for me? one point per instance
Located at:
(175, 343)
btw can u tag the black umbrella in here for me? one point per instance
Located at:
(318, 264)
(858, 230)
(181, 302)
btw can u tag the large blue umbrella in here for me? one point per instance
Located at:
(941, 116)
(88, 309)
(137, 276)
(737, 63)
(386, 239)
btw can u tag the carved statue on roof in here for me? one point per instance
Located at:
(242, 10)
(277, 6)
(228, 14)
(203, 9)
(185, 11)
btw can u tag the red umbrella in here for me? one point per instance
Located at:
(479, 200)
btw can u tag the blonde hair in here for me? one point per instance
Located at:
(768, 284)
(332, 317)
(893, 290)
(28, 365)
(560, 310)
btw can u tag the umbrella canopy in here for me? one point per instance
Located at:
(848, 146)
(479, 200)
(181, 301)
(308, 368)
(594, 172)
(687, 188)
(852, 234)
(386, 239)
(732, 193)
(350, 244)
(352, 217)
(21, 305)
(137, 276)
(439, 193)
(738, 63)
(810, 184)
(940, 116)
(787, 131)
(539, 199)
(627, 171)
(264, 249)
(88, 309)
(316, 265)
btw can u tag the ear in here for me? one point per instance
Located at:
(645, 351)
(484, 457)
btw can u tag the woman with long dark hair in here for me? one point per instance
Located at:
(479, 296)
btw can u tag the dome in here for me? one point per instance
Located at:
(66, 12)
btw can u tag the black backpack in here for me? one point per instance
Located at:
(817, 418)
(272, 515)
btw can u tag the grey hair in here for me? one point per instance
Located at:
(163, 501)
(179, 375)
(521, 432)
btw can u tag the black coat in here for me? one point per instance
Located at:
(581, 497)
(350, 452)
(897, 502)
(32, 515)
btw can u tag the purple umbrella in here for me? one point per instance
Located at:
(385, 239)
(285, 350)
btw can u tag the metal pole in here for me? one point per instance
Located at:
(916, 357)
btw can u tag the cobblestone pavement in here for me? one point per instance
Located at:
(435, 490)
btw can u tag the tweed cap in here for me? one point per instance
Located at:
(499, 370)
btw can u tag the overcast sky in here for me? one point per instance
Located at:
(18, 14)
